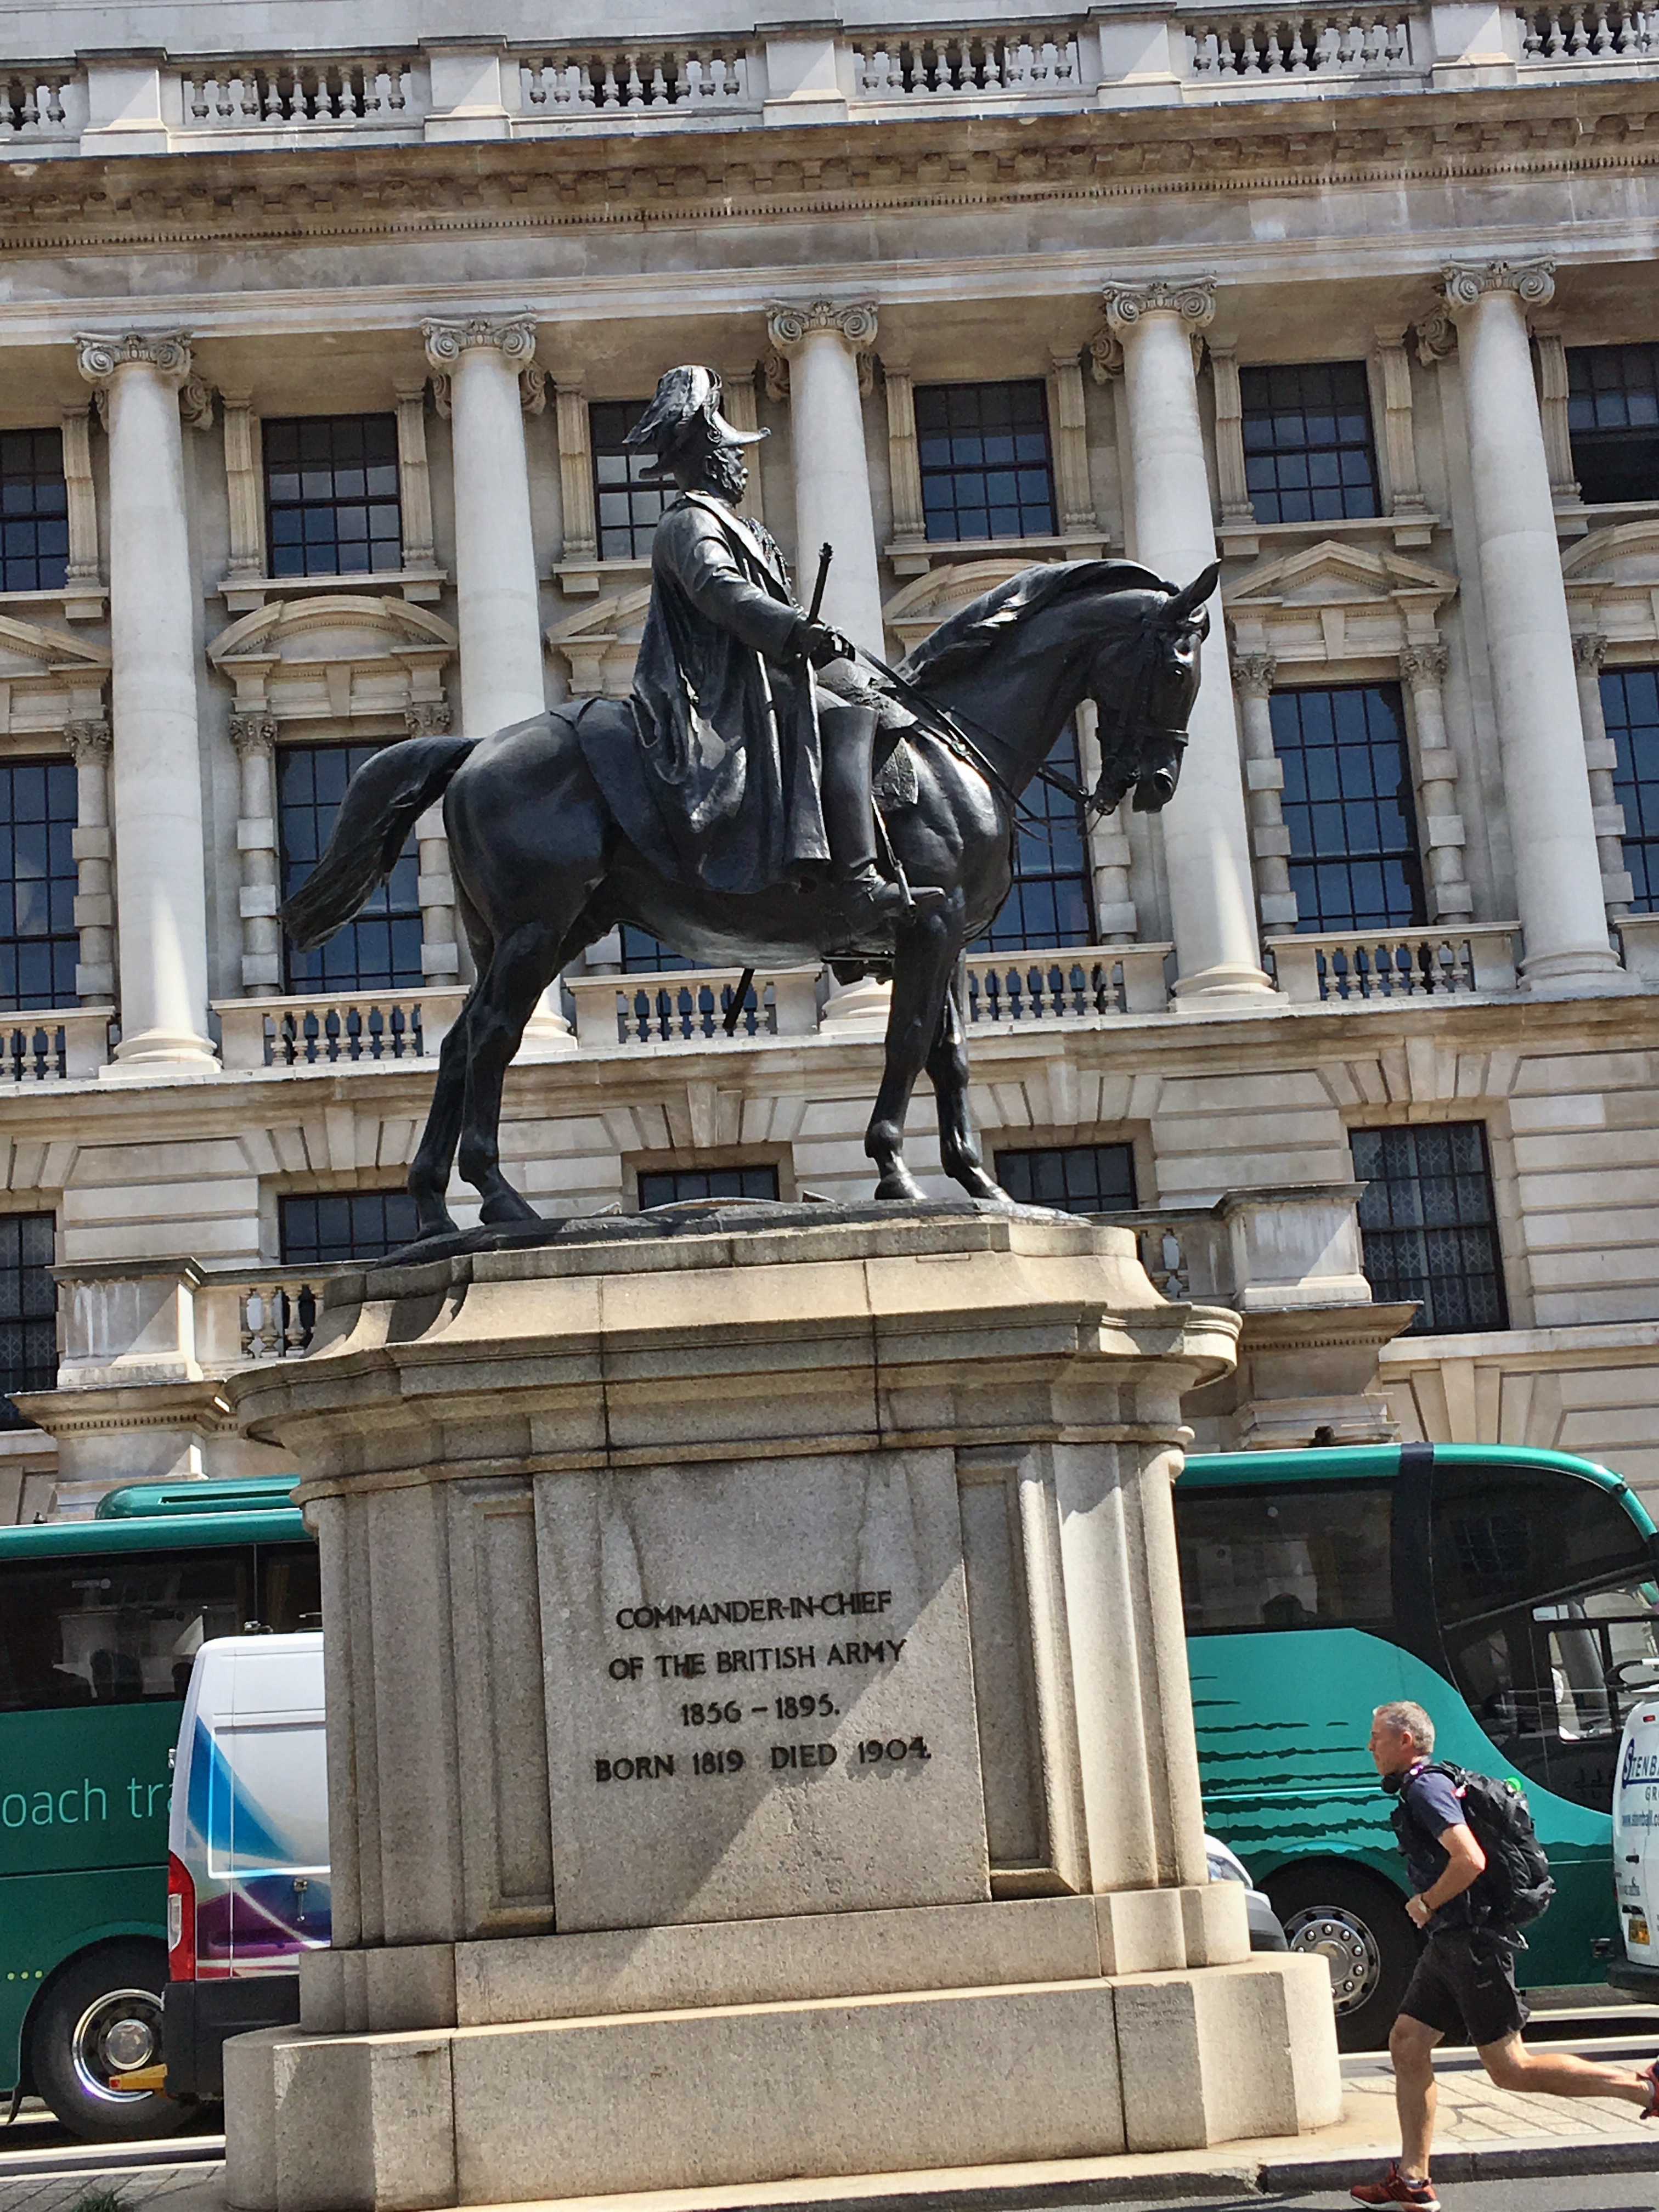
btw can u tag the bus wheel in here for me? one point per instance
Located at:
(1358, 1925)
(102, 2016)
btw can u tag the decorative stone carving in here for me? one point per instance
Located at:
(1254, 674)
(1553, 409)
(333, 659)
(787, 326)
(196, 403)
(1436, 338)
(1393, 372)
(88, 740)
(243, 485)
(1105, 356)
(1532, 283)
(1236, 504)
(1423, 664)
(428, 718)
(82, 496)
(1070, 427)
(252, 733)
(415, 478)
(90, 743)
(599, 645)
(167, 352)
(576, 479)
(904, 462)
(448, 339)
(1192, 298)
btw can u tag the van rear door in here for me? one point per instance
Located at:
(1636, 1846)
(273, 1750)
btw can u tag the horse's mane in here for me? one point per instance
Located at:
(971, 632)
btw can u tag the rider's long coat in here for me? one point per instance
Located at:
(728, 737)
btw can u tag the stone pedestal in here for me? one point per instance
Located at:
(759, 1734)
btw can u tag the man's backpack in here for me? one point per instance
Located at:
(1517, 1887)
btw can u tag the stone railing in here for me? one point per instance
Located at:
(1415, 963)
(691, 1006)
(566, 84)
(968, 65)
(57, 1047)
(377, 95)
(241, 1317)
(39, 105)
(1229, 49)
(1070, 984)
(369, 1028)
(1593, 32)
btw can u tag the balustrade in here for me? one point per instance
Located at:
(569, 83)
(368, 1028)
(374, 95)
(967, 63)
(1596, 33)
(1347, 41)
(693, 1005)
(41, 103)
(57, 1047)
(1415, 963)
(1073, 983)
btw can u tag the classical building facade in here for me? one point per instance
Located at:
(318, 362)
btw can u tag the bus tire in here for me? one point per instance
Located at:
(1358, 1924)
(101, 2014)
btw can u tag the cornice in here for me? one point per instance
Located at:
(352, 193)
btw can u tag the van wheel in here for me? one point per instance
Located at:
(1356, 1923)
(102, 2016)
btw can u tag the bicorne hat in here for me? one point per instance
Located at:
(687, 398)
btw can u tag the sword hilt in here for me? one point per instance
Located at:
(826, 554)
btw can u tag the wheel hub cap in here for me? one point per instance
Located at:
(116, 2034)
(1347, 1946)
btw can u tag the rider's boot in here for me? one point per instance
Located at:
(870, 904)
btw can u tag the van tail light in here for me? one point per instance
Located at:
(181, 1921)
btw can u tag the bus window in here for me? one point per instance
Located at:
(1301, 1557)
(1541, 1582)
(290, 1587)
(113, 1628)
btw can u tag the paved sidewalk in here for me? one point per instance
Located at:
(1483, 2131)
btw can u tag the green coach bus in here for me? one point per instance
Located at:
(99, 1623)
(1513, 1594)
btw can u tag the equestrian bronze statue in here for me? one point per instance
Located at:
(769, 794)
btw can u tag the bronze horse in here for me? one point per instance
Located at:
(543, 868)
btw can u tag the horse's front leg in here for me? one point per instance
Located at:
(428, 1171)
(923, 958)
(947, 1070)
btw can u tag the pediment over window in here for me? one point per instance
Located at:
(917, 611)
(1628, 553)
(1613, 585)
(325, 659)
(599, 646)
(48, 678)
(1334, 602)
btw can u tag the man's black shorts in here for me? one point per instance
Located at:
(1464, 1984)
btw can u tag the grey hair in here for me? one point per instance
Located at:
(1405, 1718)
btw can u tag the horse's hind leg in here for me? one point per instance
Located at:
(525, 961)
(947, 1070)
(923, 957)
(428, 1171)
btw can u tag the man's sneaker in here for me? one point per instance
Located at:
(1394, 2188)
(1650, 2076)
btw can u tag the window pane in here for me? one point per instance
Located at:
(1613, 417)
(969, 488)
(1428, 1225)
(331, 516)
(628, 509)
(114, 1628)
(38, 943)
(1630, 705)
(33, 544)
(679, 1186)
(1308, 432)
(1050, 902)
(381, 950)
(343, 1224)
(1350, 808)
(1301, 1557)
(1074, 1178)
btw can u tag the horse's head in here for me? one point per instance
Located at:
(1146, 694)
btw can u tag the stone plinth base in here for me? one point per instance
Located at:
(728, 2095)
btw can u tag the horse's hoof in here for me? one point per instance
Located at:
(441, 1225)
(979, 1185)
(509, 1211)
(899, 1183)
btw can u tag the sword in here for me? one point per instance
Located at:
(826, 554)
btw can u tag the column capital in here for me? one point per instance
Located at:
(1531, 282)
(787, 327)
(1589, 650)
(448, 339)
(89, 742)
(252, 733)
(1424, 666)
(168, 352)
(1254, 673)
(427, 718)
(1192, 298)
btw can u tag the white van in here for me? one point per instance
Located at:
(247, 1849)
(1636, 1851)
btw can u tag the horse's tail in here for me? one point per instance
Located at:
(382, 803)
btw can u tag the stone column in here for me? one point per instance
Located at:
(255, 737)
(1206, 833)
(161, 886)
(1552, 394)
(575, 475)
(1601, 758)
(497, 590)
(1558, 869)
(94, 904)
(1236, 505)
(1423, 669)
(1264, 778)
(822, 344)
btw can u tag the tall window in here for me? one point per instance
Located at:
(1051, 900)
(986, 470)
(343, 1224)
(331, 505)
(29, 1310)
(1630, 704)
(1613, 418)
(645, 955)
(33, 511)
(1428, 1225)
(626, 510)
(1072, 1178)
(381, 950)
(1347, 800)
(678, 1186)
(1308, 450)
(38, 946)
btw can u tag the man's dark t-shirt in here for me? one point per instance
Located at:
(1429, 1805)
